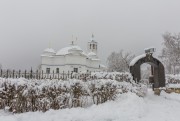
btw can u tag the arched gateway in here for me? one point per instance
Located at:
(157, 69)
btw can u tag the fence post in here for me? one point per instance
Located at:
(31, 73)
(1, 72)
(71, 74)
(42, 75)
(37, 74)
(13, 74)
(68, 74)
(53, 75)
(25, 74)
(19, 73)
(58, 76)
(63, 75)
(7, 74)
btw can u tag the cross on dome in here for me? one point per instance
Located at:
(92, 38)
(73, 40)
(92, 35)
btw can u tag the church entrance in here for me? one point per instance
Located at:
(157, 77)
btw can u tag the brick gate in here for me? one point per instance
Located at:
(157, 69)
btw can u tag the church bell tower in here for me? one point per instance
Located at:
(92, 45)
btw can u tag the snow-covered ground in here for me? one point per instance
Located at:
(127, 107)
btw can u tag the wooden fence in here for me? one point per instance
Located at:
(41, 75)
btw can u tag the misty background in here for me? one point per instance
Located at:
(26, 27)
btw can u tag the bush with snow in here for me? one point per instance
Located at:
(22, 95)
(173, 79)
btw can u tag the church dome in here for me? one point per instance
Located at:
(48, 52)
(70, 49)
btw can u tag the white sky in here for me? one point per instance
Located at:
(26, 27)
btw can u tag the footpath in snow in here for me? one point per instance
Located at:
(127, 107)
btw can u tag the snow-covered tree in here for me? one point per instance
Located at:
(145, 71)
(119, 61)
(170, 54)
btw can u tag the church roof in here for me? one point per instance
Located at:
(91, 54)
(49, 50)
(68, 50)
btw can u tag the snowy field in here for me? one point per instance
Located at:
(127, 107)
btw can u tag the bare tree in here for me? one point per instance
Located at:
(119, 61)
(170, 54)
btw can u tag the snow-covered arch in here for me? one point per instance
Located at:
(157, 66)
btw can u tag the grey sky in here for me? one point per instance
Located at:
(27, 26)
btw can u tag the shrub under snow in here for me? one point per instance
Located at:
(173, 79)
(22, 95)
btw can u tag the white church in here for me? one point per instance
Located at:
(72, 59)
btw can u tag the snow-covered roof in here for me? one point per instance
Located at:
(136, 59)
(92, 40)
(67, 50)
(50, 56)
(91, 54)
(49, 50)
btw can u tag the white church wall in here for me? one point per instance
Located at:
(59, 60)
(47, 60)
(75, 59)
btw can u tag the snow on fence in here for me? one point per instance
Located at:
(42, 75)
(23, 95)
(63, 76)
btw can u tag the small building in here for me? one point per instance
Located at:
(72, 59)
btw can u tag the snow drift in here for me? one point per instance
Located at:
(22, 95)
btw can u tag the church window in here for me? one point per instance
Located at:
(93, 46)
(90, 46)
(57, 70)
(76, 70)
(48, 70)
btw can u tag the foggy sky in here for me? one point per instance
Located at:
(27, 26)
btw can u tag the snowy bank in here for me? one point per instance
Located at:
(22, 95)
(127, 107)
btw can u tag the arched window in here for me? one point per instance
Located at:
(57, 70)
(93, 46)
(47, 70)
(76, 70)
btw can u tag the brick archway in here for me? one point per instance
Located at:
(157, 69)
